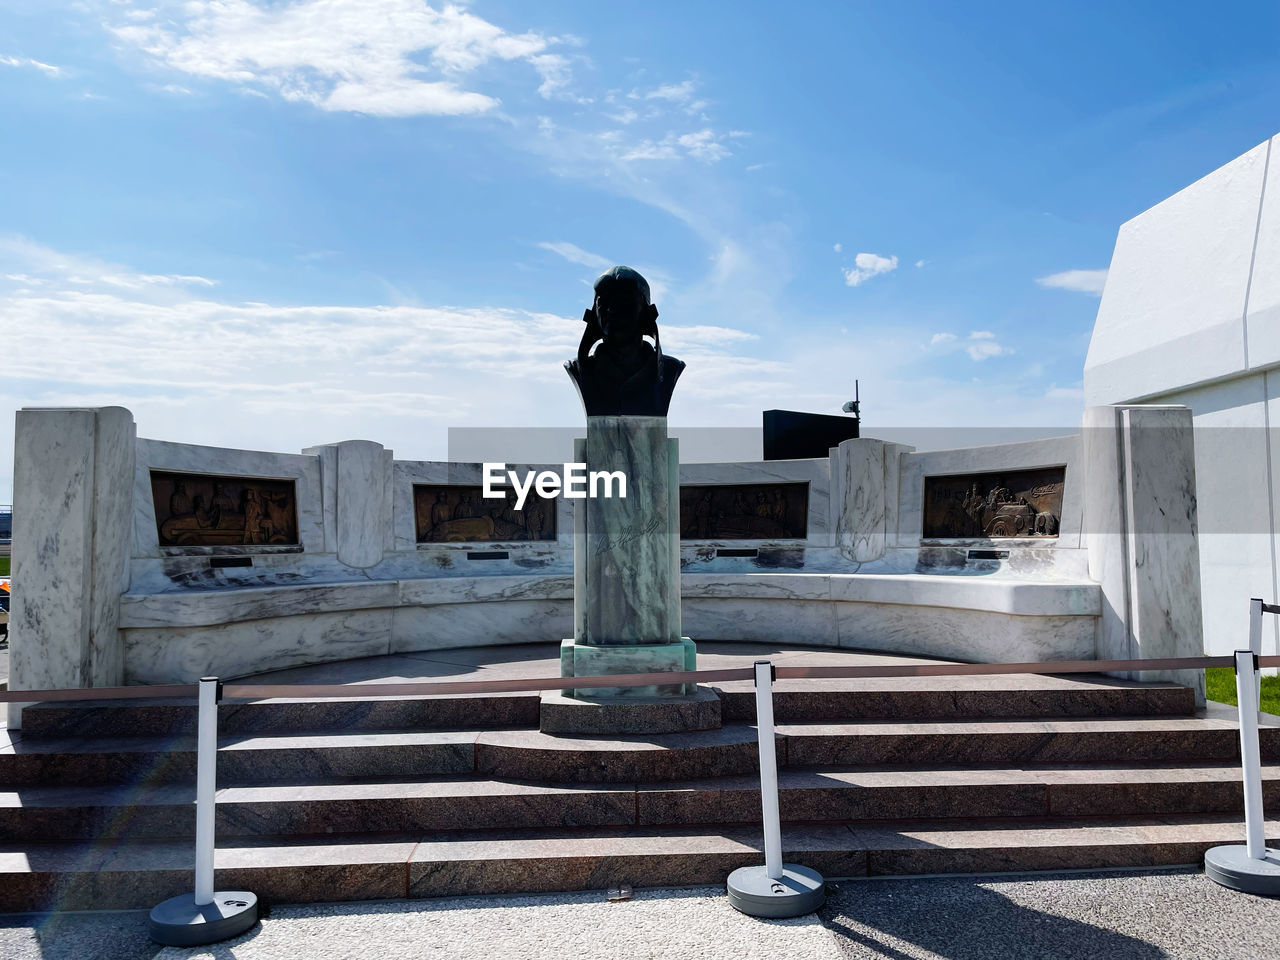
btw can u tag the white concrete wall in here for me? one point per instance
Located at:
(1191, 315)
(1178, 308)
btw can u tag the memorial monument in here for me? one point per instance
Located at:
(626, 589)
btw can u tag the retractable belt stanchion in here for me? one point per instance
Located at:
(1252, 868)
(207, 916)
(775, 889)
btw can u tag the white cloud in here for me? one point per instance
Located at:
(555, 73)
(41, 265)
(921, 263)
(839, 247)
(47, 68)
(979, 345)
(363, 56)
(982, 346)
(868, 265)
(674, 92)
(405, 58)
(1081, 281)
(649, 150)
(682, 95)
(704, 145)
(575, 254)
(624, 116)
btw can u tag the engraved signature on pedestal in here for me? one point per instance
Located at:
(601, 544)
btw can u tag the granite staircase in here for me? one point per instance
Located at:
(359, 799)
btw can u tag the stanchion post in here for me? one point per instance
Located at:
(1252, 868)
(768, 770)
(205, 916)
(1250, 757)
(775, 889)
(206, 787)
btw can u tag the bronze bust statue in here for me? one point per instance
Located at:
(626, 376)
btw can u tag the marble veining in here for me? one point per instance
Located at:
(632, 569)
(861, 515)
(73, 471)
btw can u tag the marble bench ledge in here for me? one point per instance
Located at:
(195, 608)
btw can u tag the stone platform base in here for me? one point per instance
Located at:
(561, 714)
(583, 660)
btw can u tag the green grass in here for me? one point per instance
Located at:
(4, 566)
(1220, 685)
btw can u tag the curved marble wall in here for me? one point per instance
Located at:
(169, 637)
(358, 582)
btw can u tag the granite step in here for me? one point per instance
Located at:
(959, 698)
(144, 761)
(138, 875)
(318, 809)
(299, 758)
(532, 755)
(463, 803)
(888, 698)
(1209, 736)
(158, 718)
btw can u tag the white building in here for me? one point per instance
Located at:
(1191, 315)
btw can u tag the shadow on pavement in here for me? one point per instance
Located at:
(958, 919)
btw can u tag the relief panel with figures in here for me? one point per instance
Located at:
(1016, 503)
(445, 513)
(197, 510)
(756, 511)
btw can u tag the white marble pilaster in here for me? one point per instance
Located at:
(356, 477)
(858, 485)
(73, 517)
(1140, 528)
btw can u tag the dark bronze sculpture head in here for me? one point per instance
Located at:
(626, 376)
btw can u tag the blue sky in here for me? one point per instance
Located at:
(270, 224)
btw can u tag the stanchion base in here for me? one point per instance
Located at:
(1231, 866)
(178, 922)
(799, 891)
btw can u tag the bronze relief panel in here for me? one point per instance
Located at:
(1013, 503)
(757, 511)
(445, 513)
(198, 510)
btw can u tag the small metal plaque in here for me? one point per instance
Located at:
(198, 510)
(1015, 503)
(445, 513)
(756, 511)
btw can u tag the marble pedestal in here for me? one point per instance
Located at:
(626, 563)
(585, 660)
